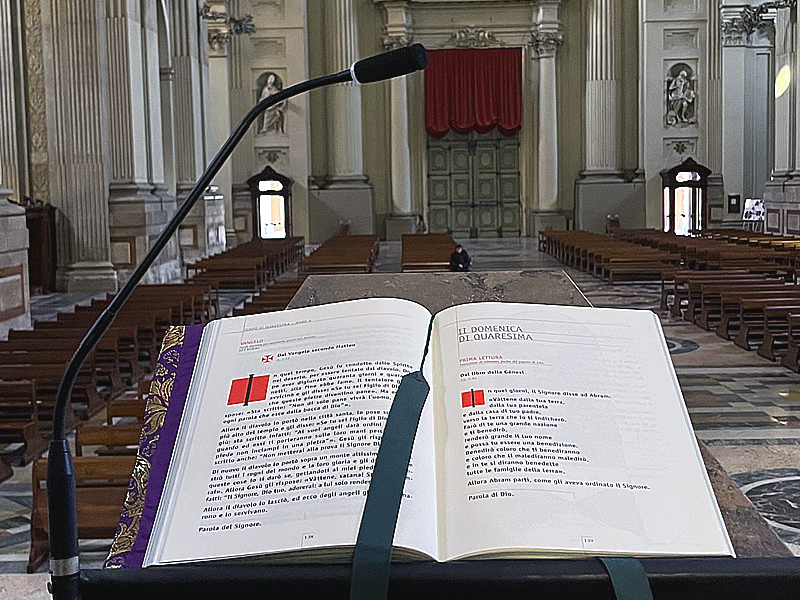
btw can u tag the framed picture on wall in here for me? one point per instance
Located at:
(734, 203)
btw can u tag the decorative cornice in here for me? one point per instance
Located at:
(738, 30)
(473, 37)
(545, 43)
(222, 26)
(392, 42)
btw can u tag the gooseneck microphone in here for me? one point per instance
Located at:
(391, 64)
(61, 500)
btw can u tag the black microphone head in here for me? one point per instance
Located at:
(394, 63)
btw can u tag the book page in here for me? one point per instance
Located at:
(282, 425)
(563, 429)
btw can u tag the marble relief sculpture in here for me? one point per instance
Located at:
(681, 96)
(274, 118)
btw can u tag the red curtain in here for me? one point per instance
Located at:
(473, 90)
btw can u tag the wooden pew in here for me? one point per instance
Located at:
(688, 288)
(31, 352)
(730, 307)
(86, 399)
(709, 308)
(102, 484)
(751, 319)
(426, 252)
(112, 439)
(670, 285)
(19, 418)
(790, 357)
(776, 330)
(274, 297)
(342, 254)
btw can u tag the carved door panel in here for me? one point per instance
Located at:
(438, 188)
(473, 185)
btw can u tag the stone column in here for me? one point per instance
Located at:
(717, 206)
(782, 191)
(242, 99)
(199, 234)
(545, 41)
(602, 189)
(347, 193)
(139, 205)
(747, 83)
(346, 147)
(402, 220)
(220, 124)
(14, 287)
(602, 89)
(9, 134)
(795, 83)
(75, 68)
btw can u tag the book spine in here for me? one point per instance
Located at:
(163, 412)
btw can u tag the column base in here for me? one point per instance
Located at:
(231, 239)
(202, 233)
(88, 277)
(15, 301)
(781, 201)
(598, 197)
(542, 220)
(242, 213)
(399, 224)
(330, 208)
(137, 216)
(717, 203)
(347, 182)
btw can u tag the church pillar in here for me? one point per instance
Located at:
(75, 66)
(545, 42)
(346, 145)
(747, 84)
(602, 89)
(795, 93)
(602, 189)
(782, 191)
(242, 99)
(220, 126)
(199, 235)
(10, 139)
(402, 219)
(717, 205)
(139, 205)
(14, 287)
(347, 193)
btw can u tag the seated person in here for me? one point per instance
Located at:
(459, 259)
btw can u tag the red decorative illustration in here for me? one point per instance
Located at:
(472, 398)
(267, 358)
(248, 389)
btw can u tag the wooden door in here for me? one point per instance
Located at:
(473, 185)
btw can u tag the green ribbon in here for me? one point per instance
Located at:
(628, 578)
(373, 553)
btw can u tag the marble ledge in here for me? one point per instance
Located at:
(440, 290)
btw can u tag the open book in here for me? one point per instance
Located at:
(548, 431)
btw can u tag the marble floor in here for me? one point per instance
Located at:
(745, 408)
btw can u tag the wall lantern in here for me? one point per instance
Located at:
(271, 193)
(685, 191)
